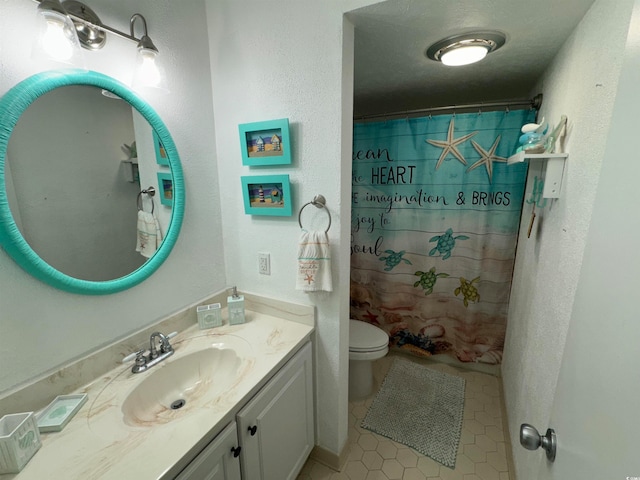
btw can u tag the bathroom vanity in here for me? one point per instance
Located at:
(272, 435)
(247, 411)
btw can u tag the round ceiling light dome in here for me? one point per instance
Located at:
(466, 48)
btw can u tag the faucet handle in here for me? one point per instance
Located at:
(165, 339)
(166, 346)
(132, 356)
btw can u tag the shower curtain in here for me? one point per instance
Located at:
(435, 217)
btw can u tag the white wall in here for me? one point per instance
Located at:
(42, 327)
(274, 59)
(595, 410)
(581, 83)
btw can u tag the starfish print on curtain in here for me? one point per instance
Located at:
(450, 145)
(488, 157)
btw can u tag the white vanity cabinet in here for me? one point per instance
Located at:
(274, 430)
(218, 461)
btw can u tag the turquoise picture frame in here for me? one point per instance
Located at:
(162, 158)
(267, 195)
(12, 105)
(265, 143)
(165, 188)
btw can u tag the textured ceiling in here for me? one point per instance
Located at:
(392, 74)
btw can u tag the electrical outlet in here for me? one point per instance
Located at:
(264, 263)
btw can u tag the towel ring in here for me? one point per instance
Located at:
(318, 202)
(149, 191)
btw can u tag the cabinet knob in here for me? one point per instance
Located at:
(253, 430)
(236, 451)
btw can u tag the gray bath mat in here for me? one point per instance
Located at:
(420, 408)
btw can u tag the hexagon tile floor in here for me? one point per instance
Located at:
(483, 453)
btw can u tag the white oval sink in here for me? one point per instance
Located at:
(185, 382)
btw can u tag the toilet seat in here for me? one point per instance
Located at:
(364, 337)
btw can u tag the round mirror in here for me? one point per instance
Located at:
(72, 207)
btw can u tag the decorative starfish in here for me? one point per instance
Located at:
(487, 157)
(450, 145)
(309, 279)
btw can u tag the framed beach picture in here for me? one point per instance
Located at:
(265, 143)
(267, 195)
(165, 187)
(161, 154)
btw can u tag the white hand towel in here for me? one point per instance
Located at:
(314, 262)
(149, 236)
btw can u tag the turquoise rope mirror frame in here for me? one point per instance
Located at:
(12, 106)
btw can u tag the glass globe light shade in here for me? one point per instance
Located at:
(57, 39)
(149, 73)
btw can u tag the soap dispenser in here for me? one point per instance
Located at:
(235, 305)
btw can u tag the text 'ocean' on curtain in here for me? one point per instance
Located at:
(435, 218)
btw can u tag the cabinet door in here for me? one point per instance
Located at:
(217, 461)
(275, 428)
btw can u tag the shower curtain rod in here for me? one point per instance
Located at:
(534, 102)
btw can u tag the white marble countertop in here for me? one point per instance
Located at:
(98, 444)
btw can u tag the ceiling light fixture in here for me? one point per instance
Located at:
(75, 23)
(466, 48)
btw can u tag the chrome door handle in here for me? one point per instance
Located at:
(531, 439)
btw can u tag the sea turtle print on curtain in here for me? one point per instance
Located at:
(435, 216)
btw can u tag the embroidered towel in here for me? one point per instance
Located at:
(149, 236)
(314, 262)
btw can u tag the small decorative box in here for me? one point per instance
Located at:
(19, 441)
(209, 316)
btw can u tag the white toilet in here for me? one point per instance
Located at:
(366, 344)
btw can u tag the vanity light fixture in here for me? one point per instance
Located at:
(466, 48)
(75, 23)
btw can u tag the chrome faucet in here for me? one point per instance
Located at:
(155, 356)
(165, 346)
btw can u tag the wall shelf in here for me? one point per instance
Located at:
(553, 169)
(130, 170)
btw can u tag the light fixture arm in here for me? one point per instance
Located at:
(78, 15)
(144, 41)
(102, 26)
